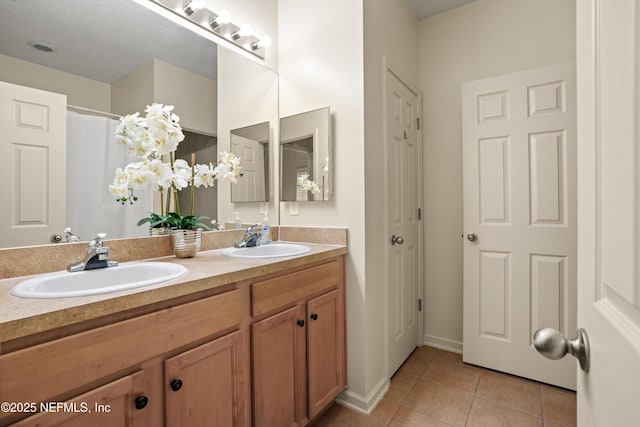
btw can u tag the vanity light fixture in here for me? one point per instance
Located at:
(218, 24)
(224, 17)
(265, 41)
(193, 6)
(243, 32)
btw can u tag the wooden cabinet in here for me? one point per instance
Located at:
(126, 365)
(325, 350)
(204, 386)
(112, 405)
(298, 352)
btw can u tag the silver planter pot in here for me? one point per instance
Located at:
(186, 243)
(159, 231)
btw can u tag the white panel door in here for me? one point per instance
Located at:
(251, 185)
(519, 157)
(403, 155)
(609, 210)
(33, 132)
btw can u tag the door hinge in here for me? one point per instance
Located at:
(419, 214)
(418, 122)
(419, 304)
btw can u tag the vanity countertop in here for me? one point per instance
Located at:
(21, 317)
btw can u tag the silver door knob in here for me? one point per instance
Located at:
(472, 237)
(553, 345)
(397, 240)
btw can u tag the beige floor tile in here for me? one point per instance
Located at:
(488, 414)
(401, 386)
(438, 401)
(426, 351)
(338, 415)
(559, 406)
(453, 374)
(511, 391)
(415, 365)
(408, 418)
(443, 354)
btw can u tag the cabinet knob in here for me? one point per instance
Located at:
(176, 385)
(314, 316)
(300, 323)
(141, 402)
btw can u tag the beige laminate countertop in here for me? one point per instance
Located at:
(21, 317)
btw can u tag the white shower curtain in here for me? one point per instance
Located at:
(92, 158)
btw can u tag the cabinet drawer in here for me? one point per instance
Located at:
(283, 290)
(50, 369)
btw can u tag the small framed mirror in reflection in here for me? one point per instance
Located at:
(305, 156)
(251, 144)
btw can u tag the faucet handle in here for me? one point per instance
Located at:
(97, 242)
(250, 229)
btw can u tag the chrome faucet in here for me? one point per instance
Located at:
(250, 238)
(97, 257)
(70, 237)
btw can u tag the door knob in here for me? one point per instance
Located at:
(553, 345)
(472, 237)
(397, 240)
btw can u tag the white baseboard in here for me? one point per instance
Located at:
(443, 343)
(364, 404)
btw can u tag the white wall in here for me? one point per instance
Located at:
(80, 91)
(483, 39)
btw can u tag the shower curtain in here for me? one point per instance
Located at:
(93, 155)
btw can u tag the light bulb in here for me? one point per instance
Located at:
(265, 41)
(224, 17)
(244, 31)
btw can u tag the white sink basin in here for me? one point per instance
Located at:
(63, 284)
(268, 251)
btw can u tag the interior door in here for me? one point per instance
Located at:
(519, 158)
(251, 186)
(403, 155)
(609, 210)
(33, 132)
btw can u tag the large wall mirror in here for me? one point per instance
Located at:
(112, 58)
(305, 156)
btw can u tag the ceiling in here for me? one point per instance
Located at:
(425, 8)
(99, 39)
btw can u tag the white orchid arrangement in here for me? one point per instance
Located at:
(155, 138)
(305, 184)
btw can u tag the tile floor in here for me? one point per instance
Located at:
(434, 388)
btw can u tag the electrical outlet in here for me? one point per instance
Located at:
(293, 209)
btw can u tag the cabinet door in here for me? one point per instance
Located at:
(279, 394)
(112, 405)
(204, 386)
(325, 341)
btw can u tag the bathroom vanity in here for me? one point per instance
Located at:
(232, 343)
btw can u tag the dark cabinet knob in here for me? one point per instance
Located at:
(314, 316)
(141, 402)
(176, 385)
(300, 323)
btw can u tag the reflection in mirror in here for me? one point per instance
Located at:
(246, 97)
(105, 77)
(305, 153)
(251, 144)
